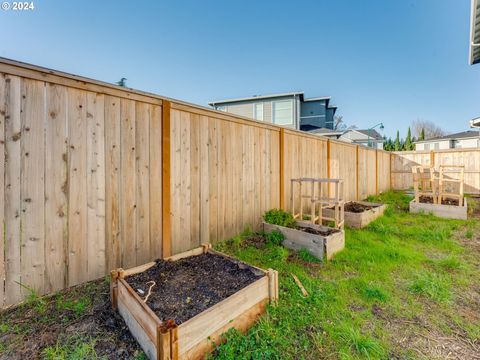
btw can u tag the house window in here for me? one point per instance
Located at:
(258, 111)
(426, 147)
(436, 146)
(222, 108)
(283, 112)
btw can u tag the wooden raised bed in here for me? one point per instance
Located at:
(317, 245)
(194, 338)
(359, 220)
(441, 210)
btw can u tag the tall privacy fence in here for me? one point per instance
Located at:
(402, 163)
(95, 176)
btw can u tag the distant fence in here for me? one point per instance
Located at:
(403, 161)
(94, 176)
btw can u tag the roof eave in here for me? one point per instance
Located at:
(250, 98)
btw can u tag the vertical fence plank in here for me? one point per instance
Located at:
(2, 188)
(128, 184)
(77, 209)
(204, 181)
(142, 146)
(12, 189)
(95, 118)
(156, 184)
(213, 178)
(112, 182)
(166, 181)
(56, 189)
(194, 172)
(32, 185)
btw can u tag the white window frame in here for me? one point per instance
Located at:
(222, 108)
(255, 111)
(292, 114)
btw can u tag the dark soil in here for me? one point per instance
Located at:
(57, 321)
(323, 232)
(445, 201)
(355, 207)
(186, 287)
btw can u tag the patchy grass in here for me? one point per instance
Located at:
(404, 274)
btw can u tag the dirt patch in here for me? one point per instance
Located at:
(255, 240)
(355, 207)
(322, 232)
(28, 329)
(446, 201)
(186, 287)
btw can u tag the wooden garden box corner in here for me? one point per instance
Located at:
(195, 337)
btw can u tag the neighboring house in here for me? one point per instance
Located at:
(289, 109)
(361, 137)
(475, 33)
(465, 139)
(369, 138)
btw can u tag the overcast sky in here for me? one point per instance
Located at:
(392, 60)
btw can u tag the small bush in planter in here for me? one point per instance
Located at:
(279, 217)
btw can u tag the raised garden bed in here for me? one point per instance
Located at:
(447, 209)
(358, 214)
(191, 300)
(319, 241)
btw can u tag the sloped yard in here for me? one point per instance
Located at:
(406, 287)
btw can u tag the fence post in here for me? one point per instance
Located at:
(356, 174)
(376, 171)
(282, 169)
(166, 172)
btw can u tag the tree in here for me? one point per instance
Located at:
(397, 146)
(422, 135)
(122, 82)
(429, 129)
(408, 141)
(338, 123)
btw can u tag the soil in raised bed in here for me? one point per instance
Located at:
(322, 232)
(189, 286)
(355, 207)
(429, 200)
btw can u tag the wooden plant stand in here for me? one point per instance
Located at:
(443, 180)
(362, 219)
(317, 245)
(194, 338)
(316, 192)
(424, 182)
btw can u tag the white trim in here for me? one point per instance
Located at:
(212, 103)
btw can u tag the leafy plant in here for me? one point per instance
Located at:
(275, 238)
(279, 217)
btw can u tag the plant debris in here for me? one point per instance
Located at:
(445, 201)
(186, 287)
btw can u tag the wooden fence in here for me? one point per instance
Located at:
(94, 176)
(402, 163)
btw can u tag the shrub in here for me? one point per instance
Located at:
(275, 238)
(279, 217)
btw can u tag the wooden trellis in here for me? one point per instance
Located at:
(316, 192)
(424, 182)
(444, 191)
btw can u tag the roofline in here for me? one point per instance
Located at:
(473, 18)
(446, 138)
(317, 98)
(212, 103)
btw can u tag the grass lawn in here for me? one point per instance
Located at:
(407, 287)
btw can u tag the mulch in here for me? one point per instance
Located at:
(445, 201)
(189, 286)
(322, 232)
(355, 207)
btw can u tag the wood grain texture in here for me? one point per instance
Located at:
(56, 189)
(2, 187)
(156, 183)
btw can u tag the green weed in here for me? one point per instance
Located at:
(279, 217)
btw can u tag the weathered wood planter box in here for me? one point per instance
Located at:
(194, 338)
(440, 210)
(359, 220)
(317, 245)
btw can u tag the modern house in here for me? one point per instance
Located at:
(475, 33)
(465, 139)
(369, 138)
(288, 109)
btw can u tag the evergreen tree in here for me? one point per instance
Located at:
(397, 146)
(408, 141)
(422, 135)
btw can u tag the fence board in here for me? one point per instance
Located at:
(56, 186)
(2, 187)
(156, 181)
